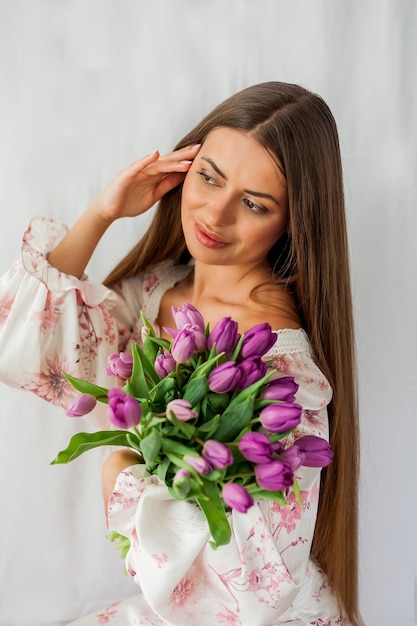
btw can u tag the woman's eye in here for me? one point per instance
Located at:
(256, 208)
(209, 180)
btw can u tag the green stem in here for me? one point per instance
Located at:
(241, 475)
(177, 375)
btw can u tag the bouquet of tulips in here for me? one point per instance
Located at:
(206, 415)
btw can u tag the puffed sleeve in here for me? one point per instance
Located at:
(265, 572)
(51, 322)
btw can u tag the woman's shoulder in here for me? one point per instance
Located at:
(290, 341)
(292, 355)
(275, 307)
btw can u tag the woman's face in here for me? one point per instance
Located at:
(234, 201)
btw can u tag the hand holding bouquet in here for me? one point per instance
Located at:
(205, 414)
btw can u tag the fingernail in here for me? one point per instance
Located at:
(185, 162)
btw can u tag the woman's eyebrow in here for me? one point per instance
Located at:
(215, 167)
(258, 194)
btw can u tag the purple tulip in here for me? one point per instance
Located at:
(281, 389)
(237, 497)
(252, 369)
(172, 332)
(182, 483)
(199, 336)
(274, 476)
(224, 377)
(183, 345)
(277, 446)
(217, 454)
(256, 447)
(82, 405)
(120, 365)
(277, 418)
(315, 450)
(123, 410)
(188, 314)
(198, 463)
(224, 335)
(181, 409)
(293, 456)
(164, 364)
(258, 340)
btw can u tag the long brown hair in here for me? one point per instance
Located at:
(299, 131)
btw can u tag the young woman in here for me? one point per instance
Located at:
(250, 224)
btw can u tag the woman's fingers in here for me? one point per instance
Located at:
(154, 164)
(137, 187)
(183, 155)
(169, 182)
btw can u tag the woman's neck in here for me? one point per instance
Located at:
(228, 284)
(220, 291)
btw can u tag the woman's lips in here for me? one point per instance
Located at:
(207, 238)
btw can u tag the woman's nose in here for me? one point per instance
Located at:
(221, 212)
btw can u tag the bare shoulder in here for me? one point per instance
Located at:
(272, 305)
(276, 319)
(276, 307)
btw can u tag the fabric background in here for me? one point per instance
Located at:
(86, 87)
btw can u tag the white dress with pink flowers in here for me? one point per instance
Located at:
(264, 576)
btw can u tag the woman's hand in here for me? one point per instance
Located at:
(132, 192)
(136, 188)
(112, 466)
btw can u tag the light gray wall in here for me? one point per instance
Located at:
(88, 86)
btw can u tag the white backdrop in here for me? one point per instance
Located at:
(87, 86)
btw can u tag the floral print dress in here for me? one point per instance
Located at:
(264, 576)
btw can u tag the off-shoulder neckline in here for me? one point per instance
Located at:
(289, 340)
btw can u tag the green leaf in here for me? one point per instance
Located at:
(190, 494)
(150, 421)
(146, 322)
(296, 488)
(81, 442)
(162, 469)
(216, 475)
(213, 508)
(163, 343)
(235, 418)
(84, 387)
(169, 445)
(237, 349)
(179, 462)
(163, 387)
(148, 368)
(150, 447)
(213, 350)
(173, 427)
(207, 428)
(276, 496)
(121, 542)
(218, 401)
(185, 428)
(133, 441)
(137, 386)
(150, 348)
(206, 366)
(252, 389)
(195, 390)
